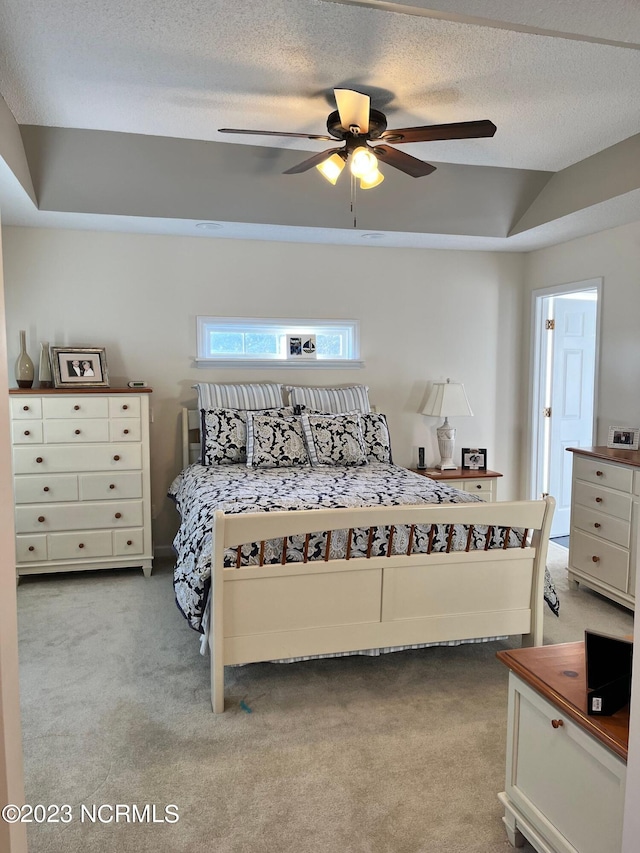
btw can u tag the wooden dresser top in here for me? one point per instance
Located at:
(612, 454)
(558, 673)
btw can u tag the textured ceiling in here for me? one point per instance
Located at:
(559, 78)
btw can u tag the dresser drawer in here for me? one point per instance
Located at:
(52, 487)
(31, 548)
(75, 407)
(597, 471)
(78, 516)
(29, 408)
(124, 407)
(602, 500)
(27, 432)
(80, 546)
(76, 430)
(124, 429)
(602, 560)
(603, 526)
(111, 457)
(128, 542)
(636, 482)
(116, 486)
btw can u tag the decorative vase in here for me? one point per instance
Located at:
(44, 368)
(24, 365)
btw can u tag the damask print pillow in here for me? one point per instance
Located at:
(275, 442)
(223, 434)
(334, 439)
(377, 440)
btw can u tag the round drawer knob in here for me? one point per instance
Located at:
(31, 548)
(25, 408)
(478, 485)
(129, 542)
(595, 559)
(125, 407)
(597, 524)
(45, 489)
(38, 459)
(80, 544)
(598, 500)
(76, 408)
(116, 458)
(118, 515)
(112, 485)
(599, 473)
(77, 432)
(125, 431)
(26, 432)
(41, 518)
(557, 723)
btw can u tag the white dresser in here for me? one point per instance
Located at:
(81, 480)
(565, 771)
(605, 497)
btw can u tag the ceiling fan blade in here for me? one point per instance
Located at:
(433, 132)
(275, 133)
(312, 161)
(354, 109)
(405, 162)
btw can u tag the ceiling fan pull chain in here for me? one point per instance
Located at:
(353, 199)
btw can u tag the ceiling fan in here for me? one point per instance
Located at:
(356, 124)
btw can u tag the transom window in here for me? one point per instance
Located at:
(240, 340)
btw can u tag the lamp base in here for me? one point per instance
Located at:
(446, 444)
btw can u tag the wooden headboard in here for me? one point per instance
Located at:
(190, 436)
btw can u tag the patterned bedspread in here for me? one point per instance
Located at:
(199, 491)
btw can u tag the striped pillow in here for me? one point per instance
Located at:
(266, 395)
(331, 400)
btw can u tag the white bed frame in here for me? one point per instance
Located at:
(269, 612)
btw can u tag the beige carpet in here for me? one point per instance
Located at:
(399, 754)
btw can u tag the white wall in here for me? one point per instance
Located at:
(614, 255)
(424, 315)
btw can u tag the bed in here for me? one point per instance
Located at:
(289, 563)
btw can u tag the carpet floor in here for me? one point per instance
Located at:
(399, 754)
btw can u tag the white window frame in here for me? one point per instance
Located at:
(204, 325)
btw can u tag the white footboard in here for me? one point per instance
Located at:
(309, 608)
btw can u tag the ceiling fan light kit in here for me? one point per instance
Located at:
(356, 124)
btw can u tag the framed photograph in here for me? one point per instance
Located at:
(474, 459)
(83, 367)
(301, 346)
(624, 438)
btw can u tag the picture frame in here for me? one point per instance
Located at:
(79, 367)
(474, 459)
(301, 346)
(624, 438)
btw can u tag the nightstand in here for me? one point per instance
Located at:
(481, 483)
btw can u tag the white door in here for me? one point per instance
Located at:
(572, 395)
(563, 389)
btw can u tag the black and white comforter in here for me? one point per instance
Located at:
(199, 491)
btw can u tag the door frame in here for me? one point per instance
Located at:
(536, 386)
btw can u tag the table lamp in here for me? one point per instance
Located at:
(447, 399)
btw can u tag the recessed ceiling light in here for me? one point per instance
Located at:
(208, 226)
(373, 235)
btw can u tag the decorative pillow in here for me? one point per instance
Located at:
(223, 437)
(377, 440)
(266, 395)
(275, 442)
(335, 400)
(334, 439)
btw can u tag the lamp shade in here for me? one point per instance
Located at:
(447, 399)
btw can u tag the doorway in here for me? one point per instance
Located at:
(564, 382)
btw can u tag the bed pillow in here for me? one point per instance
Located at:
(266, 395)
(275, 442)
(377, 440)
(332, 400)
(334, 439)
(223, 435)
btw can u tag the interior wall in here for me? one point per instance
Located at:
(424, 315)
